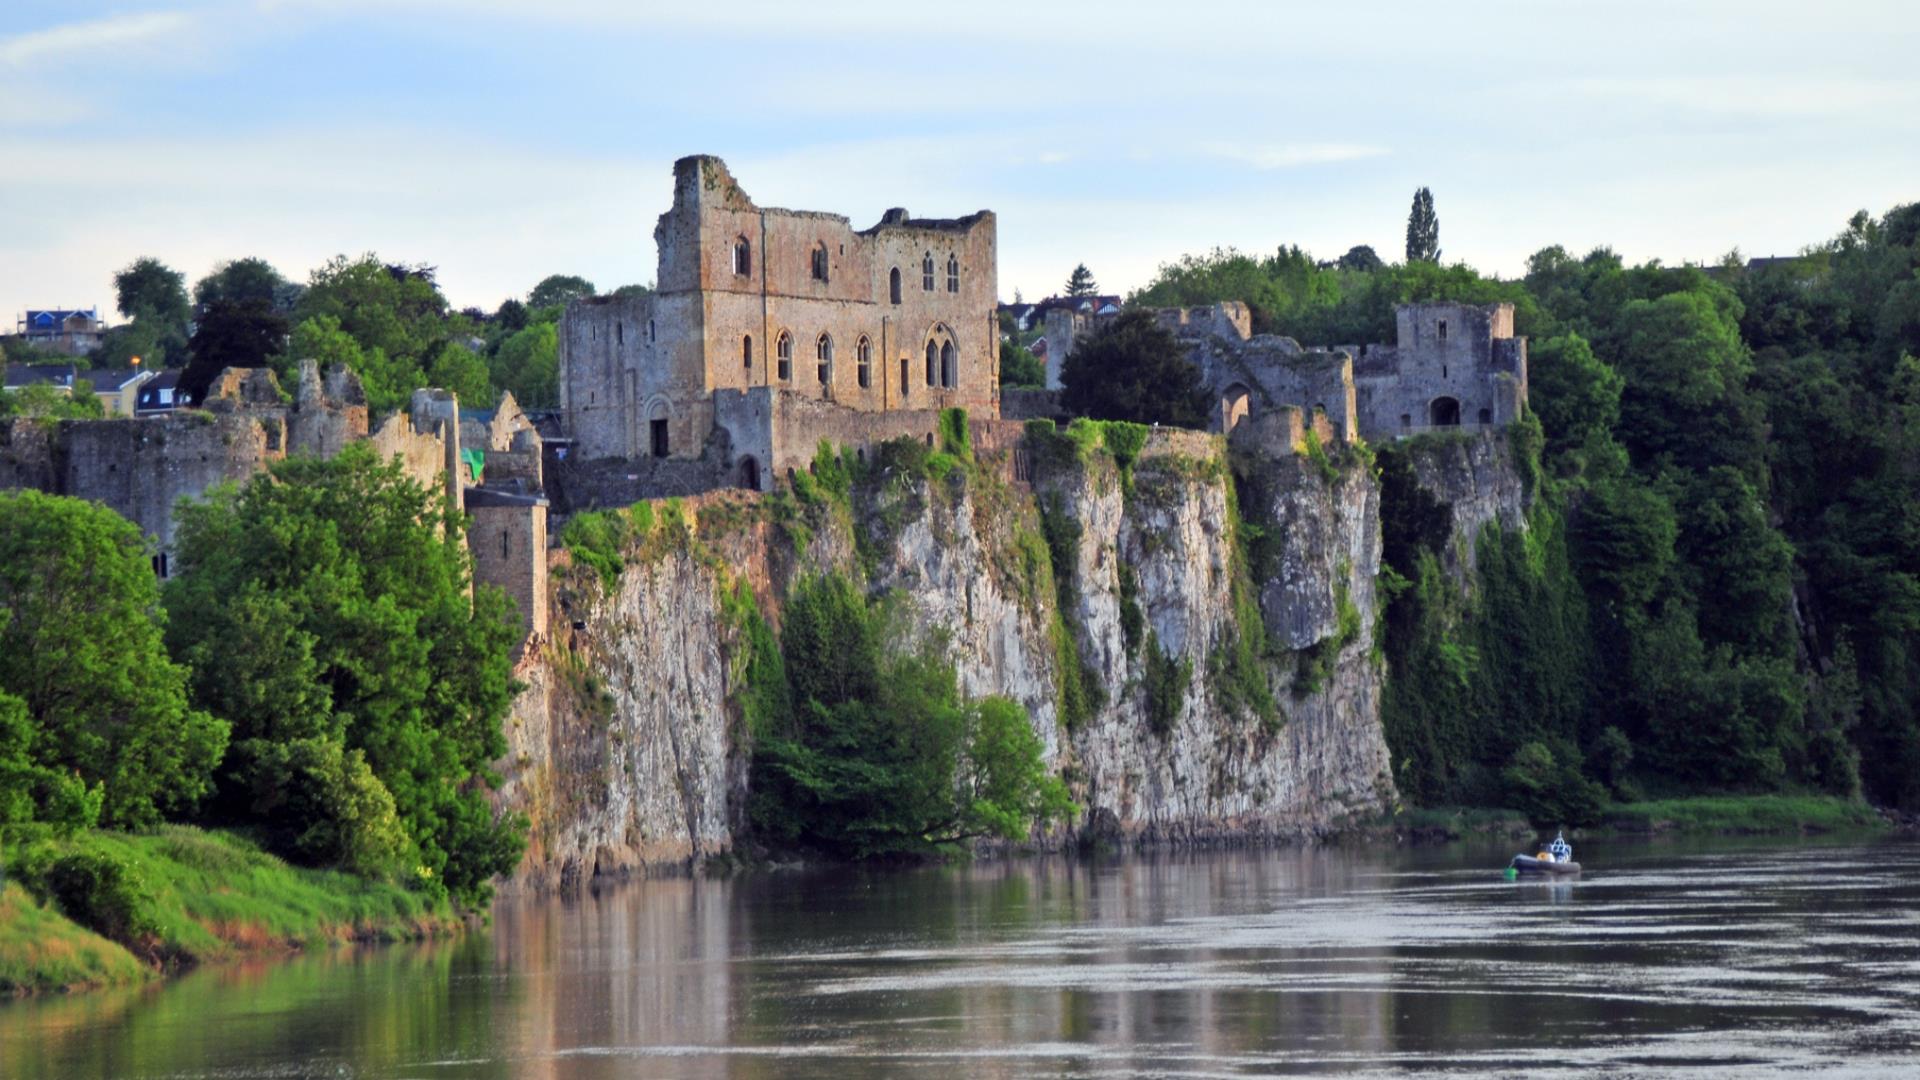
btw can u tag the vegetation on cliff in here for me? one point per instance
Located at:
(1720, 586)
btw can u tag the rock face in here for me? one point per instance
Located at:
(1475, 475)
(1220, 609)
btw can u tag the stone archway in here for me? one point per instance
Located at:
(1236, 404)
(1444, 412)
(749, 473)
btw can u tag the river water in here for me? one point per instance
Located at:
(1723, 958)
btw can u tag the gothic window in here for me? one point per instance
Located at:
(926, 272)
(783, 353)
(819, 262)
(823, 352)
(863, 355)
(742, 256)
(947, 374)
(933, 362)
(953, 274)
(746, 353)
(893, 285)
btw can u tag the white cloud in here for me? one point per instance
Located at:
(1292, 155)
(62, 42)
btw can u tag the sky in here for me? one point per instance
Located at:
(504, 140)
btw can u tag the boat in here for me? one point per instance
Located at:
(1529, 864)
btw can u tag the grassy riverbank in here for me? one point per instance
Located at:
(1704, 814)
(101, 908)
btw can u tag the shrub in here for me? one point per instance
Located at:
(101, 893)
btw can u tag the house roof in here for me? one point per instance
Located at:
(108, 380)
(150, 390)
(51, 318)
(19, 375)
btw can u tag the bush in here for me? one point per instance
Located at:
(101, 893)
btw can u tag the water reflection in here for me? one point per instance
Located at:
(1715, 959)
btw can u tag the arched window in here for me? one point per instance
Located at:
(863, 356)
(746, 353)
(947, 374)
(933, 362)
(953, 274)
(823, 352)
(783, 353)
(742, 256)
(926, 272)
(893, 285)
(1486, 416)
(819, 262)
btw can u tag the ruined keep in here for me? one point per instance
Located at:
(771, 330)
(1452, 367)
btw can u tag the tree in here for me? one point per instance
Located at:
(232, 333)
(456, 368)
(1080, 282)
(558, 290)
(325, 609)
(1423, 229)
(394, 314)
(1020, 368)
(43, 402)
(80, 645)
(633, 290)
(866, 749)
(527, 364)
(512, 315)
(154, 297)
(1575, 393)
(1132, 368)
(1362, 259)
(242, 281)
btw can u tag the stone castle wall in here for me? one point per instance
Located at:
(741, 310)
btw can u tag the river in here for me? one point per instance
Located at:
(1704, 958)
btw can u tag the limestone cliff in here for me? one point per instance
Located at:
(1192, 635)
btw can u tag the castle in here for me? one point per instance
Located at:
(771, 330)
(1453, 366)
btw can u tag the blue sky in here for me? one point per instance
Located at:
(502, 140)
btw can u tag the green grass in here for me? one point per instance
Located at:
(211, 896)
(1742, 814)
(1457, 821)
(41, 950)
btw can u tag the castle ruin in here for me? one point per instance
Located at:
(771, 330)
(1452, 367)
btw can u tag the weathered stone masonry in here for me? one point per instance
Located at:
(1453, 366)
(781, 328)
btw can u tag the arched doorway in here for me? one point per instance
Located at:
(657, 429)
(749, 474)
(1235, 404)
(1444, 412)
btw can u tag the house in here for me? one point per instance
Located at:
(74, 332)
(58, 376)
(160, 395)
(119, 388)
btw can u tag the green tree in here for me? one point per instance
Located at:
(528, 364)
(512, 316)
(456, 368)
(325, 610)
(231, 333)
(80, 644)
(1020, 368)
(154, 298)
(1361, 258)
(1575, 394)
(241, 282)
(557, 290)
(1423, 229)
(1132, 368)
(43, 402)
(1080, 283)
(866, 749)
(395, 315)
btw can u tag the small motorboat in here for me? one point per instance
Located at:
(1532, 864)
(1553, 860)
